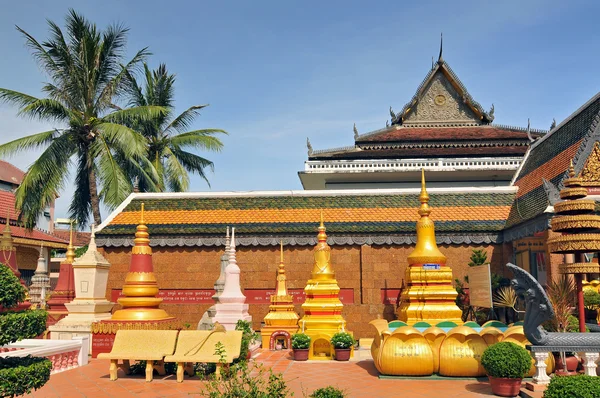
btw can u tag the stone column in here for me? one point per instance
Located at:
(589, 362)
(540, 376)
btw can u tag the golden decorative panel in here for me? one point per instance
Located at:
(590, 175)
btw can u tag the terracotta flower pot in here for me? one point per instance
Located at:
(342, 354)
(572, 363)
(300, 354)
(505, 387)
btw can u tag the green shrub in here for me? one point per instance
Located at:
(19, 376)
(242, 380)
(506, 359)
(248, 337)
(591, 299)
(11, 290)
(328, 392)
(342, 340)
(300, 341)
(580, 386)
(15, 326)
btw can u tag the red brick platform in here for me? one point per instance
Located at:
(359, 379)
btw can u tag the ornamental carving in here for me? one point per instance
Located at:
(590, 175)
(441, 102)
(579, 268)
(573, 243)
(574, 205)
(572, 222)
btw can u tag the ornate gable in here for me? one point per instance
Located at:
(442, 100)
(590, 174)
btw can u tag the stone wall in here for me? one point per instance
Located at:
(366, 269)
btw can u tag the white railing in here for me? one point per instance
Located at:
(64, 354)
(327, 166)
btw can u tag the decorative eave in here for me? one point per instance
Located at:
(200, 241)
(540, 223)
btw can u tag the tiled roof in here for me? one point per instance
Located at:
(7, 204)
(468, 133)
(297, 213)
(79, 238)
(549, 159)
(408, 153)
(10, 173)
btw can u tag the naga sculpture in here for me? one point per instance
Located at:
(538, 310)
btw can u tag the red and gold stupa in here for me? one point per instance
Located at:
(140, 302)
(281, 321)
(322, 307)
(64, 292)
(429, 296)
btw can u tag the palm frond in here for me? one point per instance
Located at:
(185, 119)
(506, 297)
(30, 142)
(44, 178)
(138, 114)
(46, 109)
(122, 139)
(176, 175)
(199, 139)
(193, 163)
(115, 184)
(20, 100)
(81, 203)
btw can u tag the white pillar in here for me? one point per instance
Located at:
(589, 362)
(540, 376)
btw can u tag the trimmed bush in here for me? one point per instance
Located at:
(328, 392)
(506, 359)
(300, 341)
(342, 340)
(580, 386)
(19, 376)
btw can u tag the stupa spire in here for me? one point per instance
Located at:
(281, 279)
(70, 249)
(6, 240)
(322, 254)
(423, 300)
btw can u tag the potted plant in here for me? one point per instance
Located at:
(342, 343)
(300, 345)
(591, 299)
(506, 364)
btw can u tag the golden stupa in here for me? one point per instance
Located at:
(429, 295)
(281, 321)
(141, 289)
(322, 307)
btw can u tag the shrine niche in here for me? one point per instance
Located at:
(280, 340)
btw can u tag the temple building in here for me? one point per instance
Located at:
(441, 129)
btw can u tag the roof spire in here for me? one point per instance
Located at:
(440, 59)
(355, 132)
(424, 197)
(142, 237)
(309, 147)
(92, 244)
(571, 169)
(7, 227)
(281, 249)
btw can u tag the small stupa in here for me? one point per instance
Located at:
(140, 291)
(207, 320)
(232, 305)
(64, 291)
(40, 283)
(282, 320)
(429, 295)
(322, 307)
(89, 305)
(575, 217)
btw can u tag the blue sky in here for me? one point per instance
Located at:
(276, 72)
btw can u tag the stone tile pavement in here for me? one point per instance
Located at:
(358, 378)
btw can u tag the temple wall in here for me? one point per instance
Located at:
(27, 257)
(365, 269)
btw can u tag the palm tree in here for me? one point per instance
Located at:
(86, 72)
(168, 137)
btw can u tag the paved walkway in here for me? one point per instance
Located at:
(359, 379)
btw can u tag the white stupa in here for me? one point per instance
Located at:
(40, 283)
(232, 303)
(208, 320)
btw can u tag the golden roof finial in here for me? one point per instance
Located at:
(281, 250)
(281, 285)
(6, 239)
(70, 248)
(142, 237)
(7, 227)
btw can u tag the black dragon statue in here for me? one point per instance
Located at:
(538, 310)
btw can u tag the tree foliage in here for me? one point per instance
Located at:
(86, 70)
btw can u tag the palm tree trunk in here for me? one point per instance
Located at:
(95, 201)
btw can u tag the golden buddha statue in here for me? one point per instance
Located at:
(141, 288)
(282, 320)
(322, 307)
(430, 295)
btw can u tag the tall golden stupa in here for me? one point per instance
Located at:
(281, 321)
(322, 307)
(429, 296)
(141, 288)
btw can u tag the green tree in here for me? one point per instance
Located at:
(86, 76)
(168, 137)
